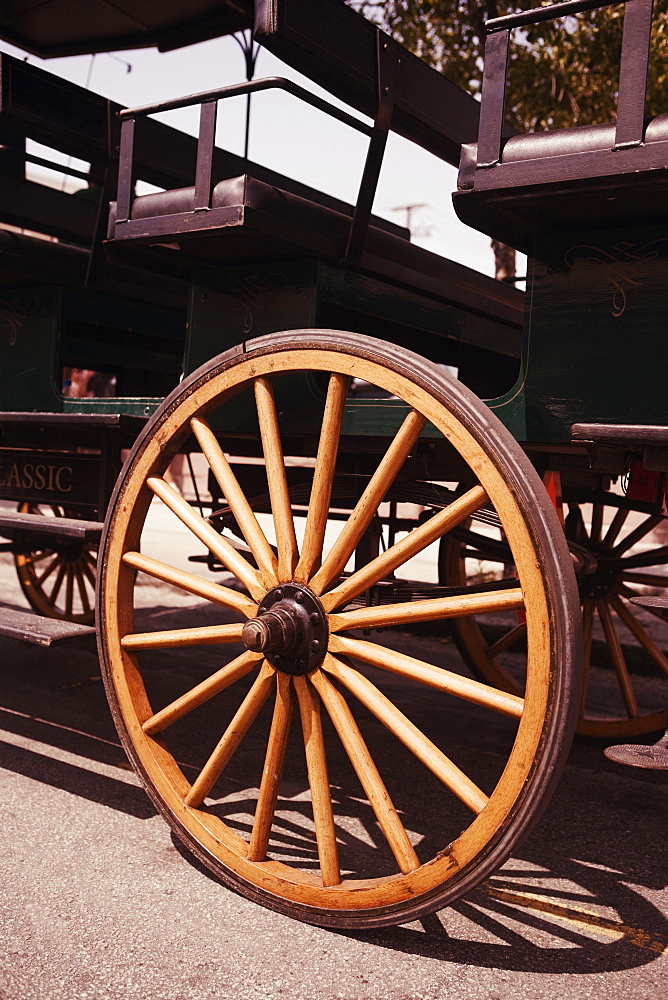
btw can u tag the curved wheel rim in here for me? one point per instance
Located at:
(58, 580)
(605, 609)
(320, 691)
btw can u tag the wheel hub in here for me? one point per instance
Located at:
(290, 629)
(603, 581)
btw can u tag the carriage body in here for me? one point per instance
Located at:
(350, 418)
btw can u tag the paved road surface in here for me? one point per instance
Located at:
(100, 902)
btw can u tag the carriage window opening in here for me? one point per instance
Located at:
(85, 383)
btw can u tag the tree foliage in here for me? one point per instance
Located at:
(560, 73)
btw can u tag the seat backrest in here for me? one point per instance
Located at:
(339, 50)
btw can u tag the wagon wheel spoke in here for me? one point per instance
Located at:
(367, 506)
(614, 528)
(69, 590)
(637, 534)
(286, 540)
(426, 673)
(405, 731)
(236, 500)
(192, 584)
(216, 544)
(48, 570)
(203, 635)
(273, 768)
(321, 799)
(323, 478)
(232, 737)
(367, 772)
(60, 576)
(651, 557)
(81, 587)
(223, 678)
(89, 569)
(37, 557)
(509, 639)
(428, 610)
(646, 579)
(587, 635)
(618, 661)
(596, 523)
(640, 632)
(399, 553)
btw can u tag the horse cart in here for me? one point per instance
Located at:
(302, 349)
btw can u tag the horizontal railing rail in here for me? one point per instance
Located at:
(208, 102)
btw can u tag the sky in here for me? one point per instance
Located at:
(285, 134)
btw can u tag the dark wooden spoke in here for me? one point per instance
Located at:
(637, 534)
(614, 528)
(617, 656)
(640, 632)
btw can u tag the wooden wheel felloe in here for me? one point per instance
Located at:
(58, 578)
(625, 561)
(299, 760)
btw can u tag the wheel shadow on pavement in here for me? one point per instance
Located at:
(573, 900)
(566, 916)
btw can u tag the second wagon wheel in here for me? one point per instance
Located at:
(620, 651)
(308, 750)
(58, 578)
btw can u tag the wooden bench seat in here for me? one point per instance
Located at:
(273, 223)
(569, 179)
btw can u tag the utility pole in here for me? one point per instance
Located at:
(409, 210)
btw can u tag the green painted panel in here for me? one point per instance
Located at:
(235, 304)
(29, 345)
(594, 347)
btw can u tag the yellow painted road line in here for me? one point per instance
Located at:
(575, 915)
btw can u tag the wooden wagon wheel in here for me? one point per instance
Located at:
(301, 689)
(59, 577)
(624, 560)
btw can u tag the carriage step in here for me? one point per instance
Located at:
(15, 524)
(653, 758)
(653, 603)
(29, 627)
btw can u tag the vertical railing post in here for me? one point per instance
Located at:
(633, 74)
(205, 144)
(125, 170)
(493, 102)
